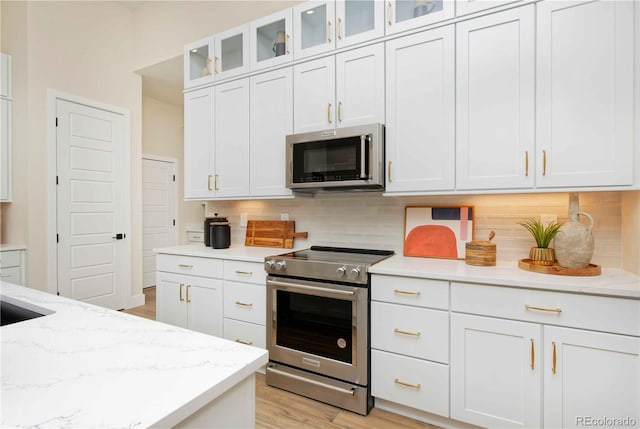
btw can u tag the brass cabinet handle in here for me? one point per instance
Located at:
(549, 310)
(216, 60)
(188, 299)
(286, 43)
(208, 66)
(526, 163)
(389, 172)
(181, 286)
(328, 31)
(244, 273)
(209, 182)
(553, 358)
(405, 384)
(329, 112)
(215, 182)
(248, 343)
(533, 354)
(412, 334)
(389, 14)
(243, 304)
(185, 265)
(339, 28)
(544, 162)
(339, 111)
(406, 292)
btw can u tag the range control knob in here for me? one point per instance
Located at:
(354, 273)
(268, 265)
(281, 265)
(340, 272)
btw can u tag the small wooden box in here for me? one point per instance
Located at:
(480, 253)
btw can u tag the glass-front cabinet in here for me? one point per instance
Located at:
(217, 57)
(271, 42)
(358, 21)
(403, 15)
(313, 28)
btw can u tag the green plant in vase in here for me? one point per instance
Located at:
(543, 234)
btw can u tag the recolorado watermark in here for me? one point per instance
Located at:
(590, 421)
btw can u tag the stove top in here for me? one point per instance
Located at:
(339, 264)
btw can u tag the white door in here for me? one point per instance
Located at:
(360, 86)
(584, 93)
(91, 220)
(420, 131)
(496, 378)
(198, 144)
(495, 64)
(159, 212)
(271, 121)
(590, 374)
(314, 94)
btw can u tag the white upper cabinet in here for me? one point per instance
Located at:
(358, 21)
(495, 106)
(232, 139)
(198, 62)
(420, 114)
(464, 7)
(5, 75)
(584, 94)
(198, 144)
(270, 40)
(314, 28)
(314, 95)
(271, 116)
(404, 15)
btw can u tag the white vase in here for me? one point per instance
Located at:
(574, 241)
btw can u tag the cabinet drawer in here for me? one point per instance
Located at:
(191, 265)
(410, 291)
(246, 333)
(11, 275)
(411, 331)
(195, 236)
(245, 302)
(10, 258)
(409, 381)
(241, 271)
(599, 313)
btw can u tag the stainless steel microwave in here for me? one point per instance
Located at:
(342, 158)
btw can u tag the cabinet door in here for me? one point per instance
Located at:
(464, 7)
(495, 59)
(198, 62)
(204, 304)
(231, 52)
(495, 372)
(271, 98)
(313, 28)
(358, 21)
(590, 375)
(232, 139)
(420, 111)
(5, 150)
(171, 304)
(198, 144)
(360, 86)
(313, 95)
(407, 14)
(270, 40)
(584, 94)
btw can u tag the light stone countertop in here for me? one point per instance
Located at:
(87, 366)
(237, 253)
(612, 282)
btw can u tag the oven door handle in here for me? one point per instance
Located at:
(314, 382)
(312, 288)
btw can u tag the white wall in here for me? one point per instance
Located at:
(370, 220)
(163, 135)
(631, 231)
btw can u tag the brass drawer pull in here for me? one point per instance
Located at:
(244, 273)
(405, 384)
(339, 28)
(243, 304)
(188, 299)
(533, 354)
(553, 358)
(544, 162)
(209, 182)
(248, 343)
(389, 172)
(215, 182)
(412, 334)
(406, 292)
(389, 14)
(526, 163)
(549, 310)
(215, 65)
(328, 31)
(339, 111)
(181, 286)
(185, 265)
(329, 112)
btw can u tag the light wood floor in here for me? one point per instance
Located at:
(277, 409)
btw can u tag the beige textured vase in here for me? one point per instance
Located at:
(574, 241)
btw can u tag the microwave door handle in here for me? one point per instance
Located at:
(363, 146)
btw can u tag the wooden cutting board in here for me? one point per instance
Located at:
(272, 233)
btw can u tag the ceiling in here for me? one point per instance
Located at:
(163, 81)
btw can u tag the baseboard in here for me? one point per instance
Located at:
(136, 301)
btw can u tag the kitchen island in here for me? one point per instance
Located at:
(86, 366)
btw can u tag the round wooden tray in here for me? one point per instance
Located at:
(591, 270)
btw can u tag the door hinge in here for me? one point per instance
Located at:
(174, 177)
(57, 238)
(56, 180)
(174, 222)
(56, 122)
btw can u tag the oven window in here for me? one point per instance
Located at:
(328, 161)
(315, 325)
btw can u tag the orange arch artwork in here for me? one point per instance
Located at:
(437, 232)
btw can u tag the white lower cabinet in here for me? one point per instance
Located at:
(12, 266)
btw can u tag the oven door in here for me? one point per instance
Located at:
(319, 327)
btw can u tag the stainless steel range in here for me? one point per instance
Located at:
(318, 324)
